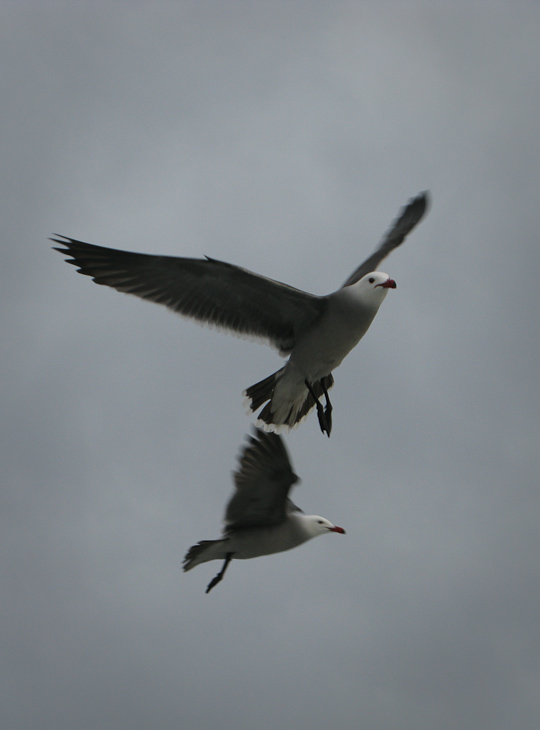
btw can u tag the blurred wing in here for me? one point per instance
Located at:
(409, 217)
(262, 482)
(208, 290)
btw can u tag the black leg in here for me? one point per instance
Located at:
(321, 413)
(329, 408)
(221, 573)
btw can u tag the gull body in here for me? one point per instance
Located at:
(260, 519)
(322, 347)
(315, 332)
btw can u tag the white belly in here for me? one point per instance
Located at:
(324, 346)
(266, 540)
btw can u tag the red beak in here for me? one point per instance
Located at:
(337, 529)
(388, 284)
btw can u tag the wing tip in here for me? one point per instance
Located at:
(56, 239)
(422, 201)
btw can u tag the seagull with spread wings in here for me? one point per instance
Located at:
(316, 332)
(260, 519)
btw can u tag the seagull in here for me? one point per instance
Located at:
(260, 519)
(316, 332)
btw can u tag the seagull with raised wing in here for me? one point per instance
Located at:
(260, 519)
(316, 332)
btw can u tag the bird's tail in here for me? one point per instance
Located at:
(204, 551)
(288, 414)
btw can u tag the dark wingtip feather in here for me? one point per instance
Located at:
(423, 199)
(65, 242)
(415, 209)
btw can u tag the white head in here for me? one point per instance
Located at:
(315, 525)
(372, 288)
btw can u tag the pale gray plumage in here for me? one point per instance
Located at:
(260, 519)
(316, 331)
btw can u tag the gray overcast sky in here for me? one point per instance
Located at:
(284, 137)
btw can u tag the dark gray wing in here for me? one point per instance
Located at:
(262, 482)
(208, 290)
(408, 218)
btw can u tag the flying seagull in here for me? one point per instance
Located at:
(260, 519)
(316, 332)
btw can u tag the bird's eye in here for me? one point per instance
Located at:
(371, 279)
(320, 522)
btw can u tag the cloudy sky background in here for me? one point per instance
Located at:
(284, 137)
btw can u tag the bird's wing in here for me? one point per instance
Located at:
(408, 218)
(262, 482)
(210, 291)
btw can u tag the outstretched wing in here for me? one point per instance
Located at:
(262, 482)
(205, 289)
(409, 217)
